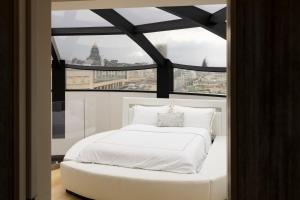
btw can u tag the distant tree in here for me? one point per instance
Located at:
(204, 63)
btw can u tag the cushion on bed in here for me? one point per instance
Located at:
(147, 114)
(170, 119)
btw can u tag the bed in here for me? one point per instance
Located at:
(131, 181)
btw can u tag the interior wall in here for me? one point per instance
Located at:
(88, 113)
(39, 97)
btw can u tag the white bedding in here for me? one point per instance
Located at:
(172, 149)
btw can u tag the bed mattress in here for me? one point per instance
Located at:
(172, 149)
(106, 182)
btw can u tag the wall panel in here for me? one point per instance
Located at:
(265, 99)
(8, 101)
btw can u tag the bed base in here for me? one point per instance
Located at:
(103, 182)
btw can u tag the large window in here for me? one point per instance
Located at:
(106, 51)
(133, 49)
(198, 48)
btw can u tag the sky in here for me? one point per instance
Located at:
(186, 46)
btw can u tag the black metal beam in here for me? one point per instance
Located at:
(145, 28)
(58, 99)
(201, 17)
(219, 29)
(54, 51)
(144, 67)
(101, 68)
(219, 16)
(200, 68)
(86, 31)
(218, 22)
(140, 91)
(165, 80)
(199, 94)
(166, 26)
(125, 26)
(58, 81)
(102, 90)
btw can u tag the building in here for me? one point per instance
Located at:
(94, 58)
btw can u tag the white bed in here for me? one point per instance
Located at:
(107, 182)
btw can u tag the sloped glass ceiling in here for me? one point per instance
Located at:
(193, 47)
(138, 16)
(77, 18)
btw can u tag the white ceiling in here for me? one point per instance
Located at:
(97, 4)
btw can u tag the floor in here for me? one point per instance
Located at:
(58, 192)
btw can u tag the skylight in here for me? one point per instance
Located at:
(138, 16)
(77, 18)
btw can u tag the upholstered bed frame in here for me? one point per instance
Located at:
(104, 182)
(219, 123)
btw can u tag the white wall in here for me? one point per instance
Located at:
(102, 112)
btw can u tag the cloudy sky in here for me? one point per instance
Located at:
(187, 46)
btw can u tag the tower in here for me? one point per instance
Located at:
(204, 63)
(94, 58)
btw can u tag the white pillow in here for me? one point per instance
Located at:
(147, 114)
(197, 117)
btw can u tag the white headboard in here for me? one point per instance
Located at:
(219, 124)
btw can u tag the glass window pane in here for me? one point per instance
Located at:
(138, 16)
(188, 81)
(138, 80)
(212, 8)
(104, 50)
(77, 18)
(193, 46)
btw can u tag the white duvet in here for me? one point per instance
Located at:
(172, 149)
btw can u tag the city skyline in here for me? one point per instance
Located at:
(187, 46)
(186, 81)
